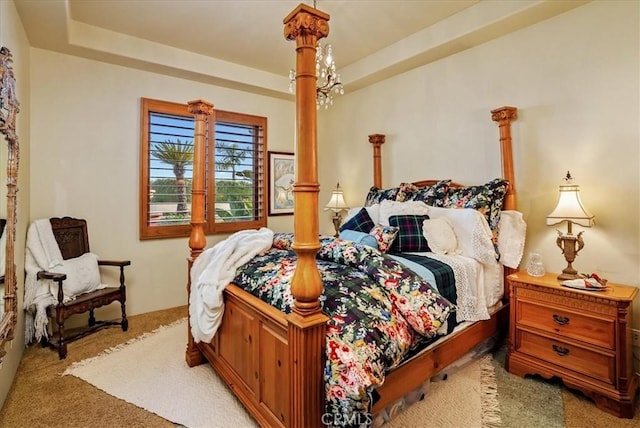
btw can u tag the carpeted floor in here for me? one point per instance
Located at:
(41, 397)
(150, 369)
(149, 380)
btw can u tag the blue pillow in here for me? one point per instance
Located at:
(361, 222)
(359, 237)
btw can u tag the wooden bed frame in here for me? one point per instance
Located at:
(272, 361)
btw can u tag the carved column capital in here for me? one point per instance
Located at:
(377, 139)
(504, 114)
(306, 24)
(200, 107)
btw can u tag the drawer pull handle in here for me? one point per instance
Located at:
(561, 320)
(563, 352)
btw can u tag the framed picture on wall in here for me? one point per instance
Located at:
(281, 179)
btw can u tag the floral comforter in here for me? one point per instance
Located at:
(377, 308)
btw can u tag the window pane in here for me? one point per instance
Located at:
(238, 149)
(170, 169)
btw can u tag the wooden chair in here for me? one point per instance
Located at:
(73, 239)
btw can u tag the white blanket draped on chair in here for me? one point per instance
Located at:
(42, 253)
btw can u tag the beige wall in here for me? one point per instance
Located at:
(575, 80)
(12, 35)
(85, 161)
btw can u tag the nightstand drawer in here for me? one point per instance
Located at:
(581, 337)
(596, 331)
(597, 365)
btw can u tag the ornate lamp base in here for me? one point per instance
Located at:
(570, 246)
(568, 273)
(337, 219)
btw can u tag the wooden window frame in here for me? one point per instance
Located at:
(146, 231)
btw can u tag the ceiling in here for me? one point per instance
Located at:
(240, 43)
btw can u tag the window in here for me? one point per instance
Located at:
(235, 181)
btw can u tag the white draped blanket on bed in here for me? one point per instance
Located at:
(478, 285)
(213, 270)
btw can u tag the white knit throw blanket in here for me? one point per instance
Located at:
(42, 253)
(213, 270)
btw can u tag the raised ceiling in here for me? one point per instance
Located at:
(240, 43)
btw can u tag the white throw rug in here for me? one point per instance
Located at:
(150, 372)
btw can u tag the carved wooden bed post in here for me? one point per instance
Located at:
(504, 116)
(197, 240)
(307, 324)
(377, 140)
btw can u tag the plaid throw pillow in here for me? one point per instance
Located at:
(361, 222)
(410, 237)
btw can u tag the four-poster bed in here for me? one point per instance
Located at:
(273, 361)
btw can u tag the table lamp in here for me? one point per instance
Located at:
(570, 209)
(337, 204)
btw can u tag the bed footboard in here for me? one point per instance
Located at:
(256, 344)
(253, 352)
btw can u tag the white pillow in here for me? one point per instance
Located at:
(512, 230)
(83, 276)
(472, 230)
(440, 235)
(390, 208)
(373, 211)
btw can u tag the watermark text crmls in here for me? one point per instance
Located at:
(355, 419)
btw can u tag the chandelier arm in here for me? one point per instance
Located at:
(328, 80)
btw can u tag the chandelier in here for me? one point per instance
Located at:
(328, 78)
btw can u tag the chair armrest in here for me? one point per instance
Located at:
(53, 276)
(121, 263)
(58, 277)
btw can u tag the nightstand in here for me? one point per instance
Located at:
(581, 337)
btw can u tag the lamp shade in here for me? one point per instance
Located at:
(337, 202)
(569, 207)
